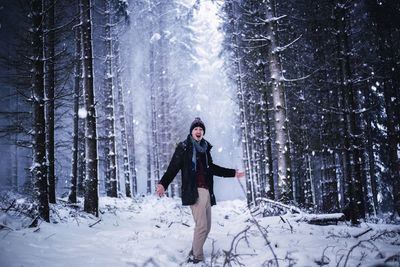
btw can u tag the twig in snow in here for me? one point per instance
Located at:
(5, 226)
(362, 233)
(55, 211)
(229, 255)
(12, 204)
(287, 221)
(49, 236)
(373, 238)
(393, 258)
(93, 224)
(260, 228)
(34, 222)
(150, 261)
(214, 255)
(324, 260)
(171, 223)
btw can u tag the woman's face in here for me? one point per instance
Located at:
(197, 133)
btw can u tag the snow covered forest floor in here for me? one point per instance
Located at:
(150, 231)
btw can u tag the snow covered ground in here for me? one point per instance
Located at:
(157, 232)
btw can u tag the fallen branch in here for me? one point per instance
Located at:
(291, 209)
(362, 233)
(93, 224)
(322, 219)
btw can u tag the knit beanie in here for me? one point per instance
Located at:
(197, 123)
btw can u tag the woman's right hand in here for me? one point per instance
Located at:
(160, 190)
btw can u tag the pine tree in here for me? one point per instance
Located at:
(49, 48)
(39, 167)
(279, 104)
(72, 198)
(110, 147)
(91, 181)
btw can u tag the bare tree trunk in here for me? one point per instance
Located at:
(279, 103)
(264, 136)
(111, 172)
(232, 6)
(268, 145)
(154, 128)
(148, 157)
(72, 198)
(385, 19)
(125, 147)
(309, 196)
(91, 182)
(351, 151)
(39, 168)
(130, 128)
(16, 156)
(81, 143)
(49, 91)
(163, 95)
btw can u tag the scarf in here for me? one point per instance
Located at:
(198, 148)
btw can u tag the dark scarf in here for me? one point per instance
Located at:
(198, 148)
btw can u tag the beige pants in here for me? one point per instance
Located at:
(201, 212)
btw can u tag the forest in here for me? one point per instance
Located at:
(301, 95)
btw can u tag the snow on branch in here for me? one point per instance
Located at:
(283, 48)
(268, 203)
(283, 79)
(273, 19)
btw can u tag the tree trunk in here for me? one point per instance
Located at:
(268, 146)
(49, 90)
(279, 103)
(39, 168)
(387, 35)
(130, 190)
(351, 145)
(154, 114)
(232, 10)
(148, 158)
(91, 182)
(111, 172)
(72, 198)
(81, 142)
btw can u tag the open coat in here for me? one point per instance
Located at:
(182, 160)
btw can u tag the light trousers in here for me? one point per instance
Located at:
(201, 212)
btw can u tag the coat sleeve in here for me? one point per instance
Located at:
(220, 171)
(173, 167)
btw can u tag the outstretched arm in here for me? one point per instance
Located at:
(226, 172)
(221, 171)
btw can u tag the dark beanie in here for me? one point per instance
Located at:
(197, 123)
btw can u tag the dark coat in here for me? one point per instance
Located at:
(182, 160)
